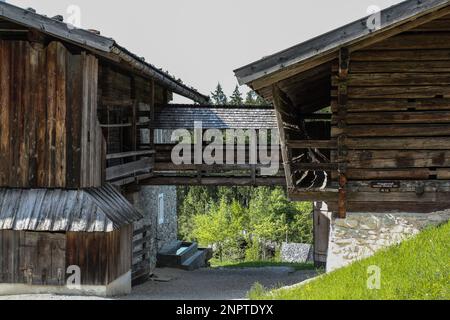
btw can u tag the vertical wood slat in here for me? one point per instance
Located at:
(73, 124)
(42, 90)
(152, 116)
(91, 121)
(35, 105)
(84, 121)
(91, 135)
(14, 112)
(60, 139)
(42, 123)
(51, 115)
(25, 111)
(344, 62)
(5, 120)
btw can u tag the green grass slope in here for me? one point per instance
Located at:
(417, 269)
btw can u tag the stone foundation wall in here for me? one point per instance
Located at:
(360, 235)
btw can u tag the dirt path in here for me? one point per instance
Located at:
(204, 284)
(216, 284)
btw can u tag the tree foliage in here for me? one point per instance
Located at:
(238, 222)
(236, 98)
(218, 96)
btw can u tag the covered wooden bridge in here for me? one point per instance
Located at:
(138, 161)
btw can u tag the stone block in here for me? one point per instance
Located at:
(296, 252)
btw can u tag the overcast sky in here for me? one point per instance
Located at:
(203, 41)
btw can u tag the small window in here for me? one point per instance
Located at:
(161, 208)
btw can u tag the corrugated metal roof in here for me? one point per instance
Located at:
(97, 44)
(56, 210)
(214, 117)
(333, 40)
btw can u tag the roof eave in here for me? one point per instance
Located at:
(159, 76)
(333, 40)
(97, 44)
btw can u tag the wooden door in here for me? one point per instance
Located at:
(42, 258)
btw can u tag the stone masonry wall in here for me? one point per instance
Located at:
(360, 235)
(146, 201)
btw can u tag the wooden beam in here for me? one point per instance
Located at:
(318, 144)
(128, 169)
(408, 130)
(214, 181)
(313, 195)
(315, 166)
(129, 154)
(374, 105)
(286, 154)
(122, 125)
(413, 143)
(117, 102)
(169, 166)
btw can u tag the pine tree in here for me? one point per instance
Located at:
(250, 98)
(218, 96)
(254, 99)
(260, 101)
(236, 98)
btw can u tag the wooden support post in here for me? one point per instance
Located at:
(152, 115)
(151, 123)
(134, 116)
(285, 151)
(134, 129)
(344, 62)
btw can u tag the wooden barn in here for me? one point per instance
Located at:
(76, 114)
(364, 115)
(49, 235)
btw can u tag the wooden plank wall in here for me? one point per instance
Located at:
(92, 141)
(398, 115)
(102, 257)
(36, 258)
(126, 112)
(48, 134)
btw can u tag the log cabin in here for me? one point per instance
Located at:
(376, 96)
(76, 114)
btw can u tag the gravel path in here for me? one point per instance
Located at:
(203, 284)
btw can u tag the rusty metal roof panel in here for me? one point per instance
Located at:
(56, 210)
(215, 117)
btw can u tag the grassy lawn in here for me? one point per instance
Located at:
(215, 263)
(417, 269)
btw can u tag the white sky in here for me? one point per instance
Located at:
(203, 41)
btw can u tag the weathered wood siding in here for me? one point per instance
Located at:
(42, 258)
(395, 124)
(102, 257)
(49, 133)
(32, 257)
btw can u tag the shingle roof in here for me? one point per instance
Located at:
(56, 210)
(333, 40)
(214, 117)
(95, 43)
